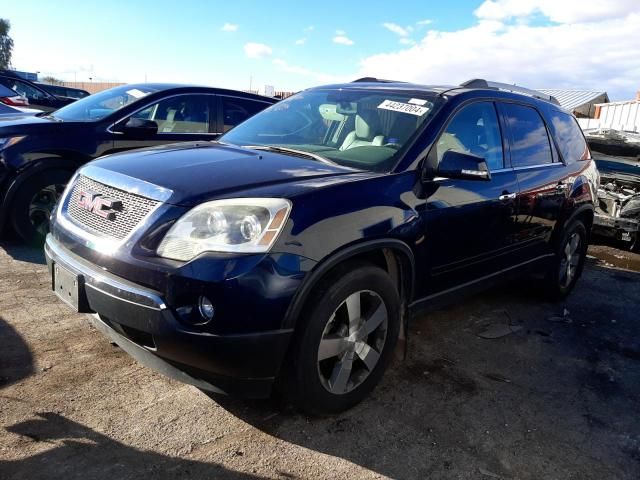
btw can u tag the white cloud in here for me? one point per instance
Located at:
(257, 50)
(603, 55)
(301, 41)
(310, 28)
(305, 72)
(426, 21)
(397, 29)
(564, 11)
(229, 27)
(407, 41)
(342, 39)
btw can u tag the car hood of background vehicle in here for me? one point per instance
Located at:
(25, 124)
(197, 172)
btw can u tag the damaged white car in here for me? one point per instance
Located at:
(618, 212)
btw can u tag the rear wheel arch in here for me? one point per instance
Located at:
(392, 255)
(584, 213)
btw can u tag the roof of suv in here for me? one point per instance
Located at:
(370, 83)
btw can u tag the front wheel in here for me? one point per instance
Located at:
(347, 341)
(35, 201)
(568, 261)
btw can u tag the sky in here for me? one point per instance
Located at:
(291, 45)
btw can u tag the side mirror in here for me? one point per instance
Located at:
(138, 127)
(463, 165)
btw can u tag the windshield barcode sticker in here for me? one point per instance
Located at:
(403, 108)
(135, 93)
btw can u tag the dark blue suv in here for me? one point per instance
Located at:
(290, 253)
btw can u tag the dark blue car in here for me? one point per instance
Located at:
(39, 153)
(290, 253)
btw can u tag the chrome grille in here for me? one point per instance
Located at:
(134, 209)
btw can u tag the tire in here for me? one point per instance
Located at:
(34, 202)
(326, 386)
(568, 261)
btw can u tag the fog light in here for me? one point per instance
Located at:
(205, 307)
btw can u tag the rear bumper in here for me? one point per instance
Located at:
(140, 321)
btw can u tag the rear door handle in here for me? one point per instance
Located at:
(507, 196)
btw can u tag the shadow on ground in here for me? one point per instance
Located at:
(24, 253)
(83, 453)
(16, 361)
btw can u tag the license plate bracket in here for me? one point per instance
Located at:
(69, 288)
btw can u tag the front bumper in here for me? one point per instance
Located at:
(139, 320)
(619, 228)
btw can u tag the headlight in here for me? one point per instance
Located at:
(244, 225)
(8, 141)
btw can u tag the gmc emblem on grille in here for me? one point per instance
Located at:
(101, 206)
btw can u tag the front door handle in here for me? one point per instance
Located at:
(507, 196)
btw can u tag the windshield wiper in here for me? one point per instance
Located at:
(292, 151)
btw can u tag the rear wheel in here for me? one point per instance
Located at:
(34, 203)
(347, 340)
(568, 261)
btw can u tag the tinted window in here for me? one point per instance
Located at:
(237, 110)
(179, 114)
(570, 140)
(529, 140)
(474, 130)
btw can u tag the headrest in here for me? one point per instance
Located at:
(367, 125)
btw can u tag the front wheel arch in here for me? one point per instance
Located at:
(20, 208)
(393, 255)
(25, 173)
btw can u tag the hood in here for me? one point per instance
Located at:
(22, 122)
(197, 172)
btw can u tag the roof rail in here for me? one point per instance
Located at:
(482, 83)
(374, 80)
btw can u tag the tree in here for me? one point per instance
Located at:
(51, 80)
(6, 44)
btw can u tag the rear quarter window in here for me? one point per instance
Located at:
(568, 134)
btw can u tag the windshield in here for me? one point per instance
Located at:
(99, 105)
(362, 129)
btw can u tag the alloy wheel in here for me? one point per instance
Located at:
(42, 205)
(570, 260)
(352, 342)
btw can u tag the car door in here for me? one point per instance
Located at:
(176, 118)
(469, 224)
(543, 179)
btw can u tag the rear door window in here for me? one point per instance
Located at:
(530, 144)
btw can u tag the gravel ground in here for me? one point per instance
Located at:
(558, 397)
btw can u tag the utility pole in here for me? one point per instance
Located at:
(250, 82)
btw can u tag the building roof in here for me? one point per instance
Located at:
(572, 99)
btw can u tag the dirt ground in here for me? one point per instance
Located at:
(556, 398)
